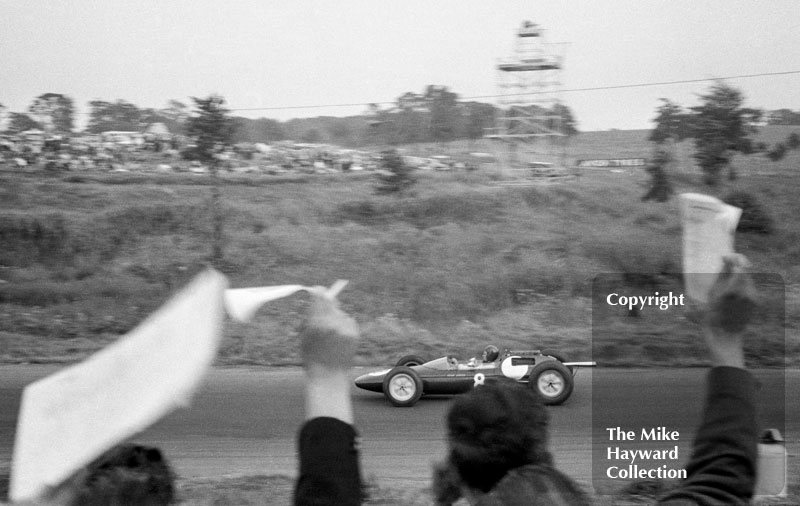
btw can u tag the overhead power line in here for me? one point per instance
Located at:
(643, 85)
(568, 90)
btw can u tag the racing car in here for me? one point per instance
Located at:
(548, 374)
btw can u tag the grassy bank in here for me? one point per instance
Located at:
(455, 264)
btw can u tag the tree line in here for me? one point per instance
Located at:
(55, 113)
(435, 115)
(783, 117)
(719, 127)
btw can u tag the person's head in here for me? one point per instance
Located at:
(497, 438)
(494, 428)
(127, 475)
(490, 353)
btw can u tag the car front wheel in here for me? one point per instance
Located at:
(552, 382)
(402, 386)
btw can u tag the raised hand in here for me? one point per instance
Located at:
(328, 336)
(732, 301)
(328, 342)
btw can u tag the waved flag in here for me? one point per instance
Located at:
(708, 232)
(242, 303)
(71, 417)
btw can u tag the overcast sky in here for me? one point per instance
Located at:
(270, 53)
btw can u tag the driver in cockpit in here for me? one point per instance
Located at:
(490, 354)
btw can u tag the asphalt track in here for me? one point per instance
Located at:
(244, 420)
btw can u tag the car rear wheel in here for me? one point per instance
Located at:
(402, 386)
(410, 360)
(560, 358)
(552, 382)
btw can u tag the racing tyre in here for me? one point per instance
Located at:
(402, 386)
(560, 358)
(410, 360)
(552, 381)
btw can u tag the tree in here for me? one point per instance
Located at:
(119, 115)
(564, 120)
(793, 141)
(257, 130)
(660, 187)
(777, 152)
(340, 133)
(54, 112)
(173, 116)
(411, 119)
(381, 126)
(445, 114)
(783, 117)
(212, 130)
(754, 219)
(411, 126)
(395, 177)
(19, 122)
(176, 111)
(720, 127)
(479, 117)
(312, 136)
(672, 123)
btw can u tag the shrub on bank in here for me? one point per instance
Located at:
(755, 218)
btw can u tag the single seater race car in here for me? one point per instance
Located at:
(548, 374)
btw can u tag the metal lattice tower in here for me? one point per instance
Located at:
(528, 127)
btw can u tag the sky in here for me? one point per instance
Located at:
(278, 55)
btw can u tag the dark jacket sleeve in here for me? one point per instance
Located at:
(329, 467)
(722, 469)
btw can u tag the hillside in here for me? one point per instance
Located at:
(456, 264)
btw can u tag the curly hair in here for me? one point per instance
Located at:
(495, 428)
(127, 475)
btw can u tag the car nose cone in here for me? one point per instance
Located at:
(372, 381)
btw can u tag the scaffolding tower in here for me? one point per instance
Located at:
(528, 130)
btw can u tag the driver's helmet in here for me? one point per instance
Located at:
(490, 353)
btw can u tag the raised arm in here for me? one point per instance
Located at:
(328, 340)
(722, 469)
(329, 466)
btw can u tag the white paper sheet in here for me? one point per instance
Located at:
(69, 418)
(708, 233)
(242, 303)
